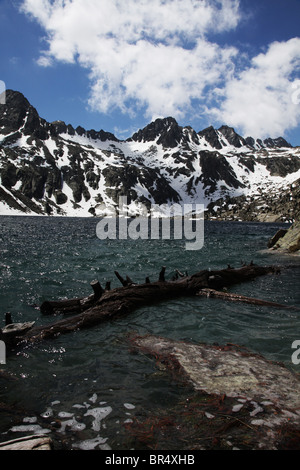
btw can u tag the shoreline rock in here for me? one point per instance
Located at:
(289, 242)
(278, 235)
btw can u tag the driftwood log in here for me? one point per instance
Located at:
(212, 293)
(28, 443)
(71, 306)
(105, 304)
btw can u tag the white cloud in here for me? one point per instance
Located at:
(155, 56)
(44, 61)
(139, 53)
(260, 100)
(160, 77)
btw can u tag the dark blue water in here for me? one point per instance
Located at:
(83, 387)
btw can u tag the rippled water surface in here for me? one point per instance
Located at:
(81, 388)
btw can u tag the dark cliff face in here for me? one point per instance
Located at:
(211, 137)
(13, 113)
(232, 137)
(19, 116)
(216, 168)
(52, 168)
(280, 166)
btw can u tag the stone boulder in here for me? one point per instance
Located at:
(291, 241)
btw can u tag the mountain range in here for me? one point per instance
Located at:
(53, 169)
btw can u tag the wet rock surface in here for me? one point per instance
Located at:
(239, 400)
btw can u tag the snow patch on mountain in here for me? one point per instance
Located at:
(53, 169)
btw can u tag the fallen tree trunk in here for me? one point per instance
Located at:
(123, 300)
(72, 306)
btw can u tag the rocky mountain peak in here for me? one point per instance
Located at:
(232, 137)
(60, 127)
(211, 136)
(17, 113)
(278, 143)
(222, 137)
(165, 131)
(19, 116)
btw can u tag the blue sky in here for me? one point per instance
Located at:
(106, 64)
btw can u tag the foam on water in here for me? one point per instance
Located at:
(72, 425)
(129, 406)
(98, 414)
(30, 428)
(64, 414)
(91, 444)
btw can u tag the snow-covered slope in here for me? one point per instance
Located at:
(54, 169)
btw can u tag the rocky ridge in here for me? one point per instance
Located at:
(54, 169)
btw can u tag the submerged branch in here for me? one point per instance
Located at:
(212, 293)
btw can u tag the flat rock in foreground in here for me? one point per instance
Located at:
(264, 395)
(229, 370)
